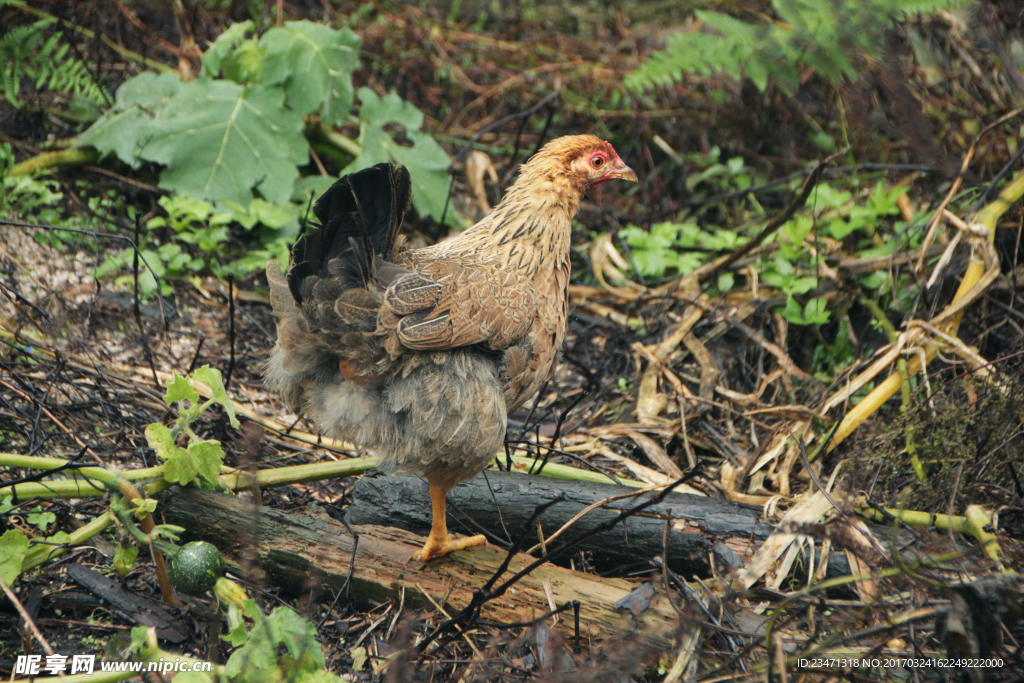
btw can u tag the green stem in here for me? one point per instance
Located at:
(881, 317)
(71, 487)
(973, 524)
(264, 479)
(978, 519)
(125, 517)
(908, 428)
(340, 141)
(904, 371)
(43, 553)
(917, 519)
(47, 160)
(531, 465)
(850, 161)
(297, 474)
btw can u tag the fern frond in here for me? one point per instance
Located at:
(63, 73)
(16, 46)
(23, 53)
(824, 34)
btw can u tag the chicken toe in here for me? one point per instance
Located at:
(440, 546)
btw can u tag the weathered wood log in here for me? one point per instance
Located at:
(501, 504)
(136, 608)
(299, 552)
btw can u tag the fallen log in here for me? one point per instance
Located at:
(300, 552)
(500, 505)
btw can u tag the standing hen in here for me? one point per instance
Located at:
(420, 354)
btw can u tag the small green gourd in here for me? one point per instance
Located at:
(196, 567)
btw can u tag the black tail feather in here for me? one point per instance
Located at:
(360, 217)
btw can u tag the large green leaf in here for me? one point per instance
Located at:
(426, 161)
(219, 140)
(315, 64)
(138, 101)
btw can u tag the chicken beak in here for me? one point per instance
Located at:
(622, 172)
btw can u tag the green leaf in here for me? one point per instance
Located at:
(41, 520)
(635, 237)
(796, 229)
(124, 558)
(140, 639)
(236, 634)
(694, 180)
(719, 240)
(816, 311)
(882, 202)
(161, 441)
(180, 468)
(13, 546)
(651, 263)
(687, 262)
(184, 466)
(222, 47)
(426, 161)
(880, 280)
(824, 196)
(180, 389)
(726, 281)
(48, 546)
(793, 312)
(801, 285)
(220, 140)
(315, 184)
(211, 378)
(315, 64)
(259, 659)
(207, 457)
(143, 506)
(831, 37)
(138, 101)
(824, 141)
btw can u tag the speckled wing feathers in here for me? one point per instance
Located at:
(448, 304)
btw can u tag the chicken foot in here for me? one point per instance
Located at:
(439, 543)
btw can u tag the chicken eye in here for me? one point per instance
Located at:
(597, 162)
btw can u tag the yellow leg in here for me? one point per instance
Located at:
(439, 543)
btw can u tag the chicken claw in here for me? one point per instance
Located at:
(440, 546)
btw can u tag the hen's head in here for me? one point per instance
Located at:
(584, 160)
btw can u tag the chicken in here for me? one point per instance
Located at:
(420, 354)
